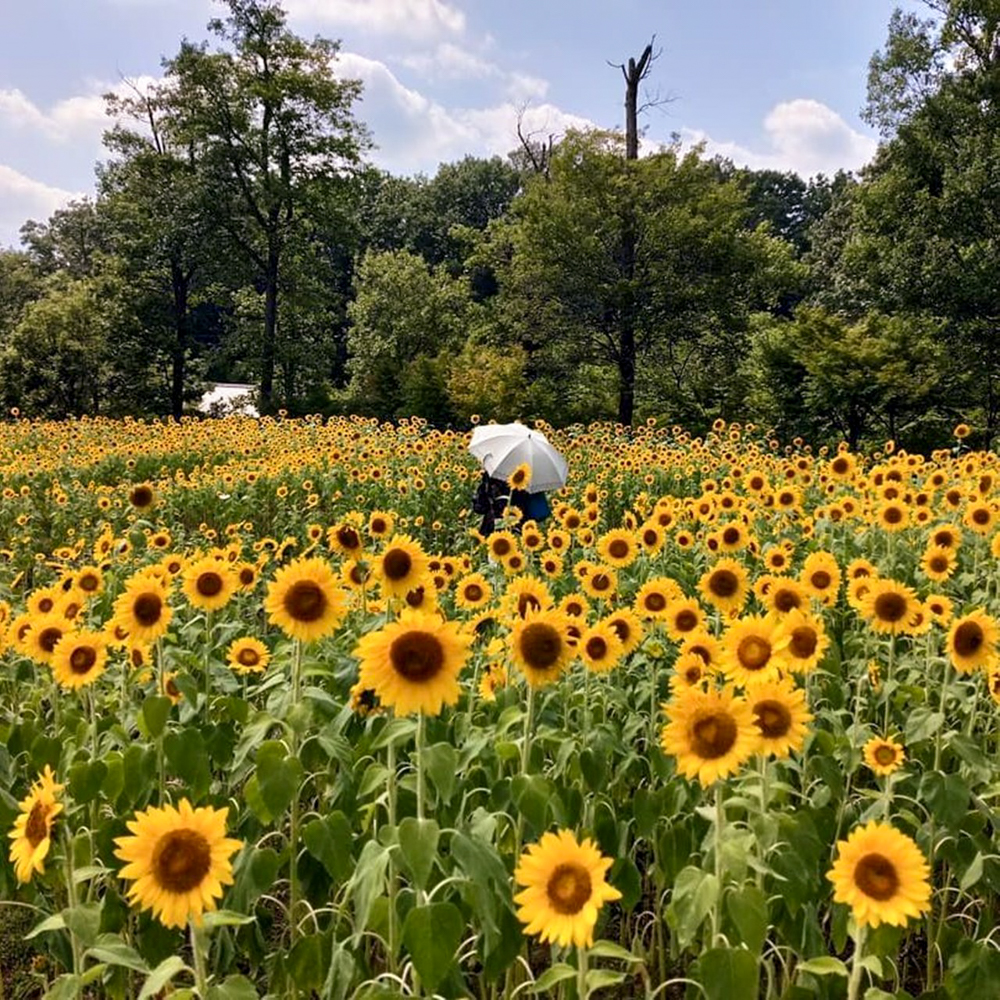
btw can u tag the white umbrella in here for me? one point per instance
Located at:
(503, 447)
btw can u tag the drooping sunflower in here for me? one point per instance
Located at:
(711, 733)
(142, 611)
(31, 834)
(178, 860)
(628, 628)
(654, 597)
(884, 756)
(753, 649)
(724, 586)
(524, 594)
(689, 670)
(564, 889)
(209, 583)
(540, 646)
(882, 875)
(972, 642)
(807, 641)
(599, 648)
(44, 634)
(889, 606)
(618, 547)
(79, 658)
(248, 655)
(413, 663)
(305, 599)
(781, 716)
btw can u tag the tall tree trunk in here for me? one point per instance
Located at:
(179, 280)
(268, 347)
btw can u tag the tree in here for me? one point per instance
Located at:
(271, 124)
(20, 284)
(72, 241)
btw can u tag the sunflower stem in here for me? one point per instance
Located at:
(420, 766)
(71, 896)
(854, 983)
(393, 881)
(208, 658)
(162, 692)
(888, 680)
(293, 820)
(581, 973)
(720, 822)
(198, 951)
(526, 742)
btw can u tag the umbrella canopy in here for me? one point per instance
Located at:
(503, 447)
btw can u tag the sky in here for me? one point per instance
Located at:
(768, 83)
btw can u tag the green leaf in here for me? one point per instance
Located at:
(974, 970)
(329, 841)
(973, 873)
(162, 975)
(278, 776)
(432, 934)
(188, 756)
(440, 763)
(66, 987)
(85, 780)
(233, 988)
(367, 883)
(600, 978)
(728, 974)
(625, 877)
(594, 768)
(552, 976)
(825, 965)
(608, 949)
(84, 920)
(110, 949)
(306, 962)
(418, 842)
(747, 907)
(947, 796)
(694, 895)
(53, 923)
(155, 712)
(225, 918)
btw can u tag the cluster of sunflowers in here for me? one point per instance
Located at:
(271, 663)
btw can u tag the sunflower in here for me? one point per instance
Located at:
(753, 649)
(178, 860)
(79, 659)
(780, 713)
(946, 536)
(526, 594)
(690, 670)
(776, 559)
(980, 517)
(381, 523)
(501, 543)
(599, 648)
(31, 834)
(90, 580)
(733, 537)
(939, 608)
(938, 563)
(889, 606)
(807, 641)
(893, 516)
(711, 733)
(551, 564)
(724, 586)
(422, 598)
(651, 537)
(142, 496)
(402, 565)
(683, 618)
(473, 592)
(142, 610)
(520, 478)
(43, 635)
(821, 577)
(655, 596)
(540, 646)
(786, 595)
(564, 889)
(628, 628)
(884, 756)
(345, 538)
(247, 655)
(413, 663)
(704, 645)
(882, 875)
(618, 548)
(972, 642)
(601, 582)
(209, 584)
(304, 599)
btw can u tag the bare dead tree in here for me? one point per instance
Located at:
(537, 151)
(635, 72)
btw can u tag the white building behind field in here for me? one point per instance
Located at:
(225, 398)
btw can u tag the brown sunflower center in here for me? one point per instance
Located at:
(142, 496)
(892, 515)
(891, 607)
(981, 516)
(501, 546)
(46, 604)
(416, 656)
(147, 609)
(348, 538)
(568, 888)
(88, 582)
(939, 564)
(136, 657)
(540, 646)
(82, 659)
(968, 639)
(181, 860)
(305, 601)
(840, 466)
(803, 642)
(875, 875)
(753, 652)
(723, 583)
(787, 600)
(885, 755)
(209, 584)
(686, 621)
(618, 549)
(731, 536)
(415, 598)
(473, 592)
(396, 564)
(821, 579)
(248, 656)
(650, 537)
(597, 647)
(378, 526)
(693, 673)
(600, 582)
(48, 638)
(37, 827)
(773, 718)
(714, 735)
(655, 602)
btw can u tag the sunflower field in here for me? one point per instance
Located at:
(277, 721)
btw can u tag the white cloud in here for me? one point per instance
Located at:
(23, 198)
(450, 62)
(413, 18)
(803, 135)
(415, 133)
(525, 87)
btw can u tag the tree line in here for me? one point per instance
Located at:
(238, 232)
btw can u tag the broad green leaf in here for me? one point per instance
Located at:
(54, 923)
(233, 988)
(162, 975)
(825, 965)
(225, 918)
(367, 883)
(608, 949)
(747, 908)
(111, 950)
(694, 895)
(418, 842)
(432, 934)
(155, 712)
(84, 920)
(440, 763)
(552, 976)
(728, 974)
(330, 840)
(85, 780)
(278, 776)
